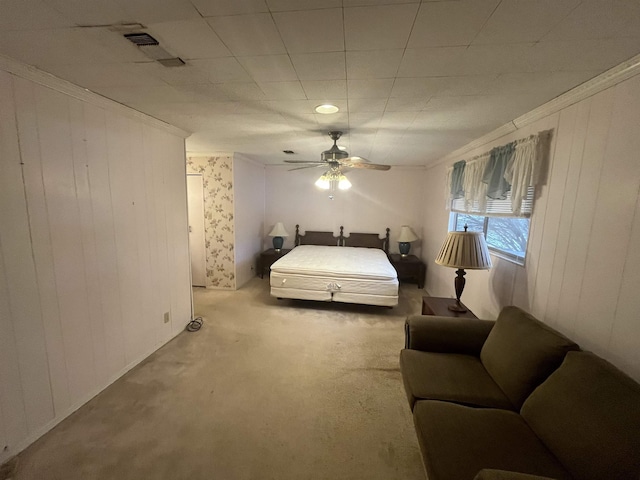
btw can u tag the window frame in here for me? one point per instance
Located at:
(511, 257)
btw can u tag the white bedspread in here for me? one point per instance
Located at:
(337, 262)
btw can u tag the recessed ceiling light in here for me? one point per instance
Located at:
(327, 109)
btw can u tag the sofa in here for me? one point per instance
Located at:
(516, 400)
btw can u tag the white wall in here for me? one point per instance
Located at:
(376, 200)
(249, 191)
(93, 251)
(582, 272)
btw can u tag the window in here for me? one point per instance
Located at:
(506, 236)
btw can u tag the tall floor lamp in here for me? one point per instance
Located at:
(463, 250)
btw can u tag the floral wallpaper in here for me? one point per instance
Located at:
(217, 177)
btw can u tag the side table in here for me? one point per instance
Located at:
(409, 268)
(440, 306)
(268, 257)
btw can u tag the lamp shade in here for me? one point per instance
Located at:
(407, 234)
(278, 231)
(465, 250)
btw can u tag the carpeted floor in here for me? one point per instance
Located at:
(267, 389)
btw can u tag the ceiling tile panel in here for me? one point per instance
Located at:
(516, 21)
(212, 8)
(294, 5)
(450, 23)
(310, 31)
(283, 90)
(378, 27)
(325, 90)
(184, 75)
(418, 87)
(254, 34)
(320, 66)
(146, 93)
(107, 75)
(361, 3)
(599, 19)
(376, 88)
(291, 107)
(496, 59)
(301, 121)
(269, 68)
(551, 83)
(242, 91)
(153, 11)
(338, 121)
(397, 120)
(432, 62)
(32, 15)
(373, 63)
(189, 39)
(366, 105)
(222, 70)
(406, 104)
(90, 12)
(60, 46)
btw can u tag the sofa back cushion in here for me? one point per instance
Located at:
(521, 352)
(587, 414)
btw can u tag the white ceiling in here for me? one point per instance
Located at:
(414, 80)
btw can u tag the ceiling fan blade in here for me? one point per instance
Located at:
(369, 166)
(309, 162)
(356, 159)
(306, 166)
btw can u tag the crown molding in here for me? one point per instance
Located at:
(48, 80)
(597, 84)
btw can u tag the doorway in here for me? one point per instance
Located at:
(195, 202)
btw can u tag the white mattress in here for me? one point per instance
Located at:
(342, 274)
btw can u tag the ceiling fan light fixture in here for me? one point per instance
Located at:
(332, 179)
(344, 183)
(327, 109)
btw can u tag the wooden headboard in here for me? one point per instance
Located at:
(366, 240)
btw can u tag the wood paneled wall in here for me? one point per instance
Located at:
(582, 271)
(93, 252)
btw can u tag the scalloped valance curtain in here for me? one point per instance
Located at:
(500, 182)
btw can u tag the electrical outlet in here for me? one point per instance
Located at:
(167, 317)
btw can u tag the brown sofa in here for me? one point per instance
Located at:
(514, 399)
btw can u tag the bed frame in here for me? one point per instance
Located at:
(366, 240)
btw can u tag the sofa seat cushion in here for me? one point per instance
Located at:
(450, 377)
(521, 352)
(458, 441)
(588, 414)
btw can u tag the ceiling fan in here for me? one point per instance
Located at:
(335, 159)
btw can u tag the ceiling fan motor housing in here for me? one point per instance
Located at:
(334, 153)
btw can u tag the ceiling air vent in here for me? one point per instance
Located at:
(152, 49)
(141, 39)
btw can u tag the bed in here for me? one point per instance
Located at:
(323, 267)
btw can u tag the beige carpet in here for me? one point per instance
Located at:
(267, 389)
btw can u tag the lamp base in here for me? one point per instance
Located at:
(277, 243)
(404, 248)
(457, 307)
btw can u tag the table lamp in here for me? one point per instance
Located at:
(407, 235)
(277, 232)
(464, 250)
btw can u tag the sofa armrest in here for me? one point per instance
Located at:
(491, 474)
(431, 333)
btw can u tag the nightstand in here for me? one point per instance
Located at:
(440, 306)
(409, 268)
(268, 257)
